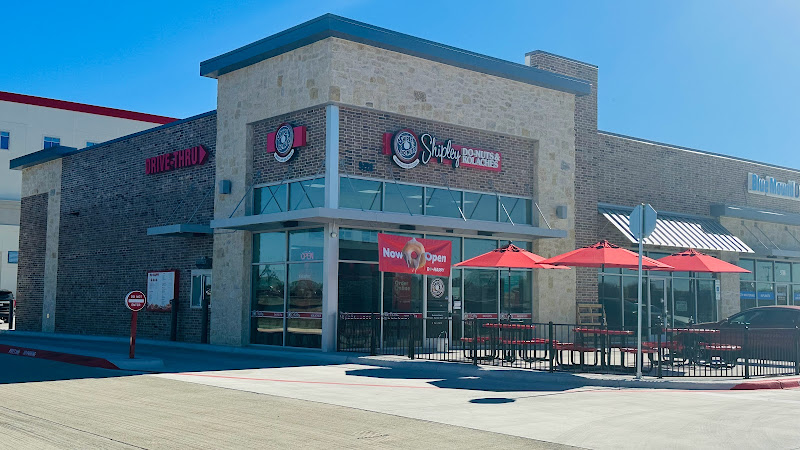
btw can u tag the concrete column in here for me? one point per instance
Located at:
(51, 260)
(331, 156)
(330, 291)
(729, 288)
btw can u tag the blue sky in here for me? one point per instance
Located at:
(714, 75)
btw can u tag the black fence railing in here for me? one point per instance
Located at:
(666, 352)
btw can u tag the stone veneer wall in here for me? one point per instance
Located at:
(361, 139)
(32, 241)
(352, 74)
(107, 204)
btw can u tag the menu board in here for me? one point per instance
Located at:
(162, 289)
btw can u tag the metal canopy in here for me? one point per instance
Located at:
(679, 231)
(373, 219)
(179, 229)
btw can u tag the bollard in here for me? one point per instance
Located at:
(746, 352)
(550, 338)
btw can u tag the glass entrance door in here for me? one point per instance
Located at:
(782, 294)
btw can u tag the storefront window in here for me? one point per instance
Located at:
(359, 287)
(358, 245)
(306, 245)
(706, 304)
(480, 206)
(403, 198)
(475, 247)
(683, 309)
(783, 272)
(796, 272)
(765, 293)
(442, 202)
(307, 194)
(747, 294)
(480, 291)
(456, 245)
(764, 271)
(268, 304)
(518, 209)
(402, 292)
(438, 295)
(269, 247)
(796, 294)
(269, 199)
(517, 299)
(360, 194)
(610, 292)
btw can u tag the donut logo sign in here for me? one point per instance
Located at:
(283, 142)
(401, 254)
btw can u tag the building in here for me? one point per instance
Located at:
(334, 131)
(29, 124)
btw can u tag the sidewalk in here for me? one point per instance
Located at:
(166, 356)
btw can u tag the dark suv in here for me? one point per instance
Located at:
(771, 331)
(6, 303)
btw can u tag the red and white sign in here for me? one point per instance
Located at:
(402, 254)
(284, 140)
(175, 160)
(408, 151)
(135, 300)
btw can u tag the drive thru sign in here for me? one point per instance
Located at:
(135, 301)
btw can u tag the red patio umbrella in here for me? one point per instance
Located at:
(511, 257)
(605, 254)
(691, 260)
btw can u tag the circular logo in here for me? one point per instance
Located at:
(284, 139)
(405, 147)
(437, 288)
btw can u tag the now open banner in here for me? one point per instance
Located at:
(403, 254)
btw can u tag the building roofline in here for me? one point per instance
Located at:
(534, 52)
(84, 108)
(58, 152)
(694, 150)
(330, 25)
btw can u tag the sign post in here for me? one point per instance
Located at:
(642, 223)
(135, 301)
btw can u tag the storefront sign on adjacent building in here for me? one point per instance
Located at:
(402, 254)
(771, 187)
(175, 160)
(285, 140)
(408, 151)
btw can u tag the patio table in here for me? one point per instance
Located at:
(605, 347)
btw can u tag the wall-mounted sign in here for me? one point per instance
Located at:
(402, 254)
(162, 290)
(408, 151)
(771, 187)
(175, 160)
(285, 140)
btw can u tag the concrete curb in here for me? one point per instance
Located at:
(434, 368)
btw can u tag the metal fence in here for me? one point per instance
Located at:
(666, 352)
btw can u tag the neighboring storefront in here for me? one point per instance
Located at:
(332, 136)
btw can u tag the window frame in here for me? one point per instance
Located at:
(198, 273)
(53, 140)
(7, 135)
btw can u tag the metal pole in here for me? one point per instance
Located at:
(132, 349)
(204, 315)
(639, 304)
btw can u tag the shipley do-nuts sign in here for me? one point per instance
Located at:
(401, 254)
(283, 142)
(408, 151)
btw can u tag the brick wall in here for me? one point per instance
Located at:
(308, 160)
(107, 204)
(361, 140)
(30, 282)
(586, 157)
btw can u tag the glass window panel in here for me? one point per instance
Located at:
(782, 294)
(764, 271)
(683, 308)
(519, 299)
(610, 295)
(521, 244)
(269, 199)
(747, 290)
(480, 291)
(519, 209)
(706, 305)
(269, 283)
(475, 247)
(359, 287)
(765, 293)
(307, 194)
(456, 245)
(796, 294)
(269, 247)
(438, 295)
(303, 324)
(796, 272)
(747, 264)
(306, 245)
(360, 194)
(402, 292)
(358, 245)
(783, 271)
(5, 138)
(480, 206)
(630, 300)
(442, 202)
(403, 198)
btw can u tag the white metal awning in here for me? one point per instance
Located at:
(679, 231)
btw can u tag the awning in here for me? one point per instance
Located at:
(678, 230)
